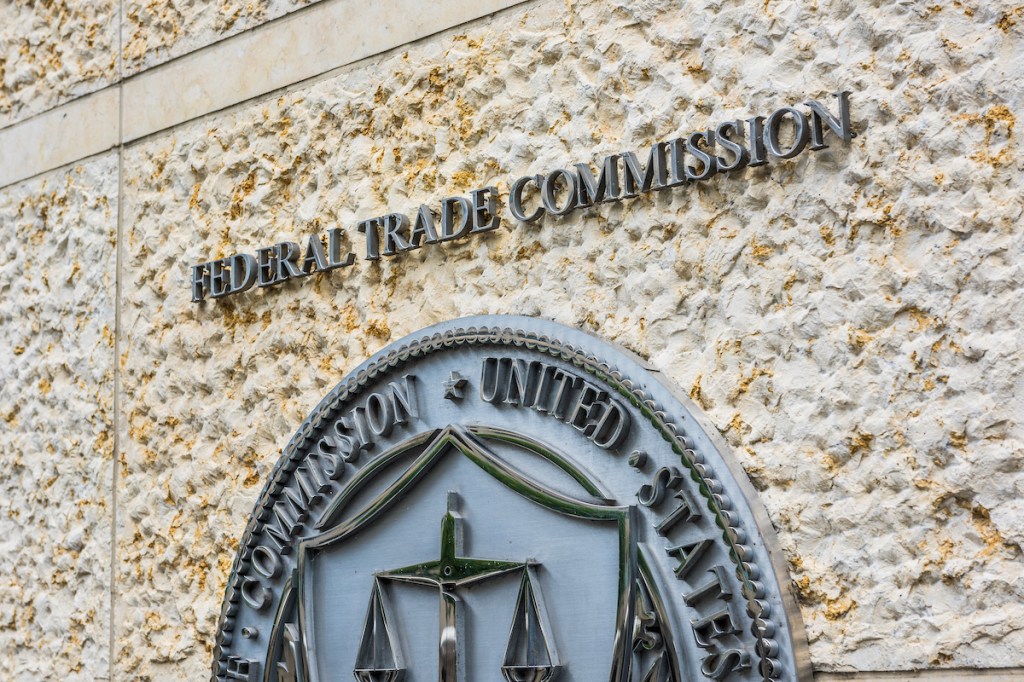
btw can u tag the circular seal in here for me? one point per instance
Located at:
(506, 498)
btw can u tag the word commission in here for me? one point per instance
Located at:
(697, 157)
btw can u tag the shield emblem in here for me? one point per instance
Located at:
(449, 560)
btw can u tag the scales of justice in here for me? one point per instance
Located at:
(530, 649)
(529, 655)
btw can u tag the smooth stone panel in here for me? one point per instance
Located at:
(324, 37)
(155, 32)
(60, 136)
(57, 265)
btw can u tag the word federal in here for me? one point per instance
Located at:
(270, 265)
(695, 157)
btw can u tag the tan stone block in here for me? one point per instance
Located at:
(305, 45)
(156, 32)
(53, 52)
(57, 264)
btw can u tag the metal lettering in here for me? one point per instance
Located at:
(224, 276)
(220, 280)
(740, 155)
(643, 178)
(358, 430)
(379, 415)
(448, 218)
(677, 162)
(485, 210)
(238, 668)
(550, 390)
(517, 390)
(296, 507)
(369, 227)
(243, 272)
(688, 556)
(758, 153)
(255, 594)
(717, 587)
(334, 251)
(612, 428)
(423, 227)
(565, 380)
(266, 562)
(356, 423)
(773, 127)
(315, 258)
(686, 511)
(549, 191)
(606, 188)
(718, 666)
(589, 401)
(839, 125)
(708, 164)
(282, 526)
(515, 199)
(489, 372)
(395, 226)
(713, 627)
(311, 483)
(403, 399)
(345, 445)
(328, 461)
(200, 279)
(266, 266)
(670, 163)
(665, 479)
(547, 375)
(288, 260)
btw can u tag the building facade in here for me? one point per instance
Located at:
(845, 316)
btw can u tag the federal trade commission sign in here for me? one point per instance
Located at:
(503, 498)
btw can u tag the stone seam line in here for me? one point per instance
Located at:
(118, 280)
(214, 78)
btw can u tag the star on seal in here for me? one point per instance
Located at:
(453, 387)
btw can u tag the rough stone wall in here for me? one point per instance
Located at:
(849, 319)
(157, 31)
(52, 52)
(57, 267)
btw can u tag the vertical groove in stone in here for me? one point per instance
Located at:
(118, 245)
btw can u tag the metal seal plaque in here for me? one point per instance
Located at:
(504, 498)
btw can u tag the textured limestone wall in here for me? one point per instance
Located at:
(849, 319)
(51, 52)
(157, 31)
(54, 51)
(57, 422)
